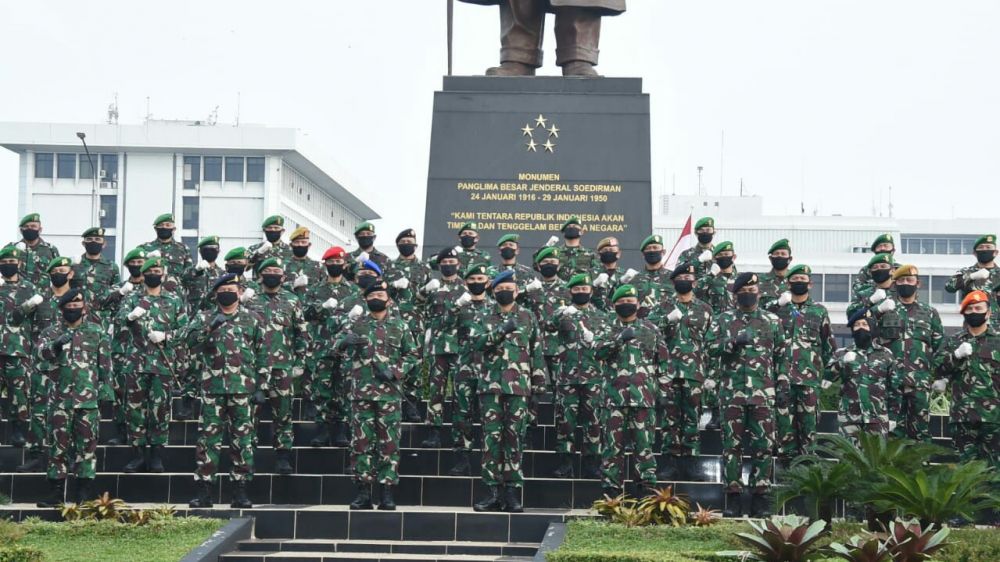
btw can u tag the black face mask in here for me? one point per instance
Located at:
(862, 338)
(93, 248)
(724, 263)
(406, 250)
(705, 239)
(449, 270)
(653, 258)
(365, 241)
(164, 233)
(799, 287)
(906, 291)
(571, 232)
(300, 251)
(508, 253)
(467, 241)
(335, 270)
(376, 305)
(746, 300)
(683, 286)
(8, 269)
(549, 269)
(271, 280)
(476, 288)
(134, 270)
(365, 281)
(58, 279)
(152, 281)
(235, 268)
(984, 256)
(272, 236)
(608, 258)
(29, 234)
(580, 298)
(209, 254)
(626, 310)
(975, 319)
(71, 315)
(780, 264)
(881, 275)
(228, 298)
(504, 297)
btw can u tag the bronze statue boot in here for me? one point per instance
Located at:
(511, 68)
(580, 68)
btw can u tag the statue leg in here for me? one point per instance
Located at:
(578, 33)
(521, 24)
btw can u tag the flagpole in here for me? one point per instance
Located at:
(451, 27)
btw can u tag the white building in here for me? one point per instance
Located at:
(836, 247)
(217, 180)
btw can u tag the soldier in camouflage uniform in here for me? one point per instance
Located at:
(272, 246)
(544, 298)
(405, 275)
(809, 345)
(511, 344)
(197, 282)
(579, 381)
(148, 326)
(995, 306)
(775, 282)
(653, 282)
(380, 350)
(468, 253)
(700, 255)
(36, 252)
(684, 322)
(96, 273)
(863, 370)
(751, 344)
(714, 287)
(982, 275)
(883, 244)
(230, 344)
(286, 340)
(971, 361)
(176, 256)
(509, 247)
(364, 235)
(301, 271)
(606, 275)
(20, 300)
(637, 374)
(574, 257)
(80, 355)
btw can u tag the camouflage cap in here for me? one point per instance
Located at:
(408, 233)
(165, 217)
(509, 237)
(905, 270)
(93, 231)
(270, 262)
(476, 269)
(136, 254)
(237, 253)
(60, 261)
(703, 222)
(10, 251)
(883, 239)
(745, 279)
(151, 263)
(623, 292)
(30, 217)
(683, 268)
(468, 226)
(779, 245)
(225, 279)
(547, 252)
(300, 232)
(364, 226)
(571, 220)
(800, 269)
(74, 294)
(985, 239)
(884, 257)
(973, 298)
(273, 220)
(651, 239)
(208, 241)
(578, 279)
(722, 247)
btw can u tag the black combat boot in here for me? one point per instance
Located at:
(57, 491)
(734, 505)
(387, 503)
(611, 492)
(670, 471)
(512, 499)
(17, 433)
(462, 466)
(283, 463)
(240, 499)
(140, 462)
(714, 424)
(592, 467)
(364, 498)
(120, 436)
(83, 493)
(156, 459)
(433, 440)
(760, 505)
(565, 468)
(185, 409)
(340, 438)
(410, 412)
(34, 463)
(322, 438)
(491, 502)
(204, 497)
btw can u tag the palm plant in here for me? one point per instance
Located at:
(818, 482)
(939, 493)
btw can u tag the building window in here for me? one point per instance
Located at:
(86, 171)
(937, 293)
(192, 245)
(234, 168)
(817, 288)
(191, 206)
(43, 164)
(192, 172)
(109, 250)
(109, 211)
(109, 167)
(66, 166)
(838, 287)
(255, 169)
(213, 168)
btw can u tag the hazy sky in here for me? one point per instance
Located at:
(828, 102)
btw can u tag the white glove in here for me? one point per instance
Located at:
(401, 283)
(432, 285)
(2, 282)
(887, 305)
(75, 260)
(892, 425)
(137, 313)
(980, 274)
(715, 269)
(463, 300)
(629, 274)
(569, 310)
(362, 257)
(709, 384)
(878, 296)
(264, 247)
(126, 288)
(534, 285)
(248, 294)
(427, 338)
(704, 419)
(825, 384)
(784, 298)
(153, 254)
(675, 315)
(34, 301)
(552, 241)
(156, 336)
(330, 303)
(850, 356)
(202, 265)
(588, 336)
(705, 256)
(963, 350)
(940, 385)
(601, 280)
(300, 281)
(355, 312)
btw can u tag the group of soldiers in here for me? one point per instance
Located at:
(364, 339)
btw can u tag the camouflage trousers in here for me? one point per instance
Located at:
(759, 421)
(977, 440)
(217, 411)
(16, 385)
(118, 391)
(679, 423)
(505, 421)
(576, 406)
(73, 430)
(413, 380)
(38, 426)
(444, 368)
(464, 408)
(796, 422)
(147, 408)
(375, 428)
(863, 411)
(279, 396)
(910, 407)
(619, 423)
(329, 391)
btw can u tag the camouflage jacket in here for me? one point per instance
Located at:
(390, 347)
(600, 295)
(578, 363)
(522, 276)
(471, 318)
(771, 285)
(313, 270)
(376, 256)
(961, 281)
(863, 381)
(164, 313)
(808, 341)
(861, 279)
(174, 253)
(685, 338)
(48, 314)
(862, 297)
(576, 259)
(653, 286)
(441, 313)
(691, 256)
(637, 372)
(35, 262)
(197, 284)
(975, 380)
(280, 249)
(715, 291)
(79, 368)
(748, 374)
(16, 328)
(544, 303)
(100, 275)
(514, 363)
(325, 325)
(286, 337)
(233, 356)
(913, 333)
(474, 256)
(418, 273)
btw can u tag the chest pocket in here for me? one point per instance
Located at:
(920, 326)
(808, 327)
(989, 350)
(763, 333)
(891, 326)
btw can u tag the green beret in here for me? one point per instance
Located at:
(10, 251)
(624, 291)
(165, 217)
(93, 231)
(779, 245)
(273, 220)
(237, 253)
(546, 252)
(704, 221)
(572, 220)
(880, 258)
(476, 269)
(269, 262)
(800, 269)
(985, 239)
(136, 254)
(209, 241)
(151, 263)
(722, 247)
(364, 226)
(468, 226)
(882, 239)
(578, 279)
(508, 238)
(30, 217)
(61, 261)
(651, 239)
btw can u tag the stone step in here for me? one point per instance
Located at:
(374, 556)
(411, 546)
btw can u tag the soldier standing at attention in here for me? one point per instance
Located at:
(19, 303)
(176, 257)
(863, 370)
(574, 257)
(982, 275)
(700, 255)
(272, 246)
(653, 282)
(364, 235)
(198, 280)
(36, 252)
(751, 344)
(714, 287)
(551, 295)
(468, 253)
(509, 247)
(96, 273)
(606, 275)
(883, 244)
(775, 282)
(301, 271)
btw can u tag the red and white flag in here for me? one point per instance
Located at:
(684, 241)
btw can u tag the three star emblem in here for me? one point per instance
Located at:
(547, 132)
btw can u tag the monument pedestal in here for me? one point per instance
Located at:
(524, 154)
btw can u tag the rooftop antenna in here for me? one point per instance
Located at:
(213, 117)
(149, 114)
(701, 188)
(113, 111)
(890, 201)
(237, 109)
(722, 158)
(741, 187)
(673, 184)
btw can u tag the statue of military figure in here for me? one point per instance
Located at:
(578, 32)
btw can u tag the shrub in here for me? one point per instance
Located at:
(818, 482)
(857, 549)
(705, 517)
(10, 532)
(909, 542)
(104, 507)
(20, 554)
(939, 493)
(664, 507)
(787, 538)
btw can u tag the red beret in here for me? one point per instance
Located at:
(334, 253)
(973, 298)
